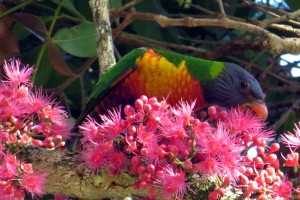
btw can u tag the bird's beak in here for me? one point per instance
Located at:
(259, 108)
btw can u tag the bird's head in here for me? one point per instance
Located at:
(233, 87)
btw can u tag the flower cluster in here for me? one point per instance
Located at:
(27, 117)
(164, 145)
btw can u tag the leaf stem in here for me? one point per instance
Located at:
(49, 33)
(15, 8)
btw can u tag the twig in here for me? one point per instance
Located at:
(114, 13)
(275, 12)
(215, 14)
(127, 20)
(71, 79)
(231, 47)
(287, 17)
(264, 8)
(221, 7)
(292, 89)
(249, 65)
(138, 41)
(275, 43)
(285, 116)
(286, 28)
(49, 33)
(280, 27)
(269, 67)
(278, 77)
(128, 5)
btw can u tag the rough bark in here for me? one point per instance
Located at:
(104, 41)
(67, 176)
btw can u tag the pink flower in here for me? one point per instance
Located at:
(201, 130)
(9, 165)
(292, 140)
(34, 183)
(10, 107)
(184, 149)
(37, 100)
(146, 137)
(218, 141)
(173, 127)
(230, 164)
(292, 160)
(89, 130)
(173, 182)
(152, 152)
(184, 110)
(15, 74)
(284, 189)
(54, 121)
(27, 168)
(112, 124)
(245, 122)
(95, 158)
(208, 167)
(117, 162)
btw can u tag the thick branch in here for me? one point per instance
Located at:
(68, 177)
(103, 34)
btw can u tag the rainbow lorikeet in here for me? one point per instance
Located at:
(165, 74)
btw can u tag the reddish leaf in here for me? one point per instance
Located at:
(8, 42)
(31, 23)
(56, 59)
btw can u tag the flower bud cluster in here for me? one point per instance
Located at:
(27, 117)
(162, 145)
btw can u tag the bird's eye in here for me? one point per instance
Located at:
(245, 85)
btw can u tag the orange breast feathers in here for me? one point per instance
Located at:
(155, 76)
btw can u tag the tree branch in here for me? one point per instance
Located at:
(103, 34)
(69, 178)
(292, 15)
(275, 43)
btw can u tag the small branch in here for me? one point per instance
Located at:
(105, 48)
(71, 79)
(292, 15)
(292, 89)
(286, 28)
(286, 115)
(264, 8)
(261, 70)
(276, 44)
(127, 21)
(128, 5)
(275, 12)
(232, 47)
(49, 33)
(138, 41)
(221, 7)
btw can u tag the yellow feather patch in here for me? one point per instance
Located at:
(215, 70)
(155, 76)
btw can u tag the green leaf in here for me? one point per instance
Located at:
(78, 40)
(45, 71)
(69, 5)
